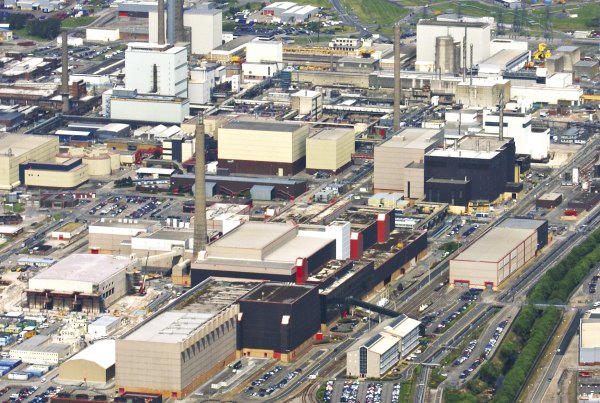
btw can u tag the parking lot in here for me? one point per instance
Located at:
(362, 391)
(271, 382)
(129, 207)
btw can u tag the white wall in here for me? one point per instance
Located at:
(536, 144)
(102, 34)
(259, 52)
(159, 111)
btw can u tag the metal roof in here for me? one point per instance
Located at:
(101, 353)
(495, 245)
(263, 126)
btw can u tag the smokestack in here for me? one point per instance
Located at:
(471, 71)
(200, 192)
(397, 80)
(65, 72)
(464, 54)
(161, 22)
(179, 29)
(501, 119)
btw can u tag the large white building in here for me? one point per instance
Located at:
(40, 350)
(125, 104)
(204, 23)
(373, 356)
(589, 338)
(156, 69)
(203, 79)
(478, 35)
(517, 125)
(16, 149)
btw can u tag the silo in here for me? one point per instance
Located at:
(444, 54)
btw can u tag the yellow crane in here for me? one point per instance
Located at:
(542, 53)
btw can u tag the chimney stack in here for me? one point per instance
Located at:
(161, 22)
(179, 29)
(397, 80)
(65, 72)
(501, 118)
(200, 192)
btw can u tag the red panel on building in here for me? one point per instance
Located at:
(301, 270)
(356, 245)
(383, 227)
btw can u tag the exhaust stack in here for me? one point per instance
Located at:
(200, 192)
(65, 72)
(397, 80)
(501, 118)
(161, 22)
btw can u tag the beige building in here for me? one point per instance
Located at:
(114, 236)
(16, 149)
(179, 349)
(95, 363)
(265, 147)
(483, 93)
(308, 103)
(329, 149)
(493, 257)
(399, 161)
(62, 175)
(40, 350)
(589, 338)
(68, 231)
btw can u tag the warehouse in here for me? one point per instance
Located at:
(329, 150)
(477, 168)
(16, 149)
(549, 200)
(113, 236)
(393, 156)
(265, 251)
(373, 356)
(263, 147)
(68, 174)
(232, 185)
(127, 105)
(589, 338)
(498, 254)
(95, 364)
(278, 321)
(103, 326)
(68, 231)
(584, 201)
(193, 339)
(40, 350)
(80, 282)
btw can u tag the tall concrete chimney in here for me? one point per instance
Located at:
(200, 192)
(179, 29)
(397, 79)
(464, 56)
(161, 22)
(501, 118)
(471, 68)
(65, 72)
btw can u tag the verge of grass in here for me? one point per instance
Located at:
(76, 22)
(379, 12)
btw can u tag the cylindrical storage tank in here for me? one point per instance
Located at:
(98, 166)
(115, 161)
(444, 54)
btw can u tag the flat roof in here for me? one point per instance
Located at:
(19, 144)
(235, 43)
(454, 23)
(330, 134)
(278, 292)
(102, 353)
(495, 245)
(253, 235)
(384, 343)
(299, 246)
(504, 57)
(550, 196)
(271, 126)
(414, 138)
(590, 333)
(174, 234)
(402, 326)
(187, 314)
(523, 223)
(105, 320)
(84, 267)
(451, 153)
(69, 227)
(126, 223)
(158, 171)
(566, 48)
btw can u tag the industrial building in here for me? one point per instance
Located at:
(68, 231)
(482, 92)
(430, 56)
(398, 162)
(103, 326)
(309, 104)
(95, 364)
(40, 350)
(202, 27)
(185, 344)
(128, 105)
(549, 200)
(265, 251)
(278, 321)
(477, 168)
(589, 338)
(263, 147)
(80, 282)
(67, 174)
(329, 150)
(373, 356)
(517, 125)
(113, 236)
(499, 253)
(151, 68)
(16, 149)
(163, 248)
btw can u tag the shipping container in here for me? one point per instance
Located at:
(19, 376)
(4, 370)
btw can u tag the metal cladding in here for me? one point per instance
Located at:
(65, 72)
(200, 192)
(397, 82)
(161, 22)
